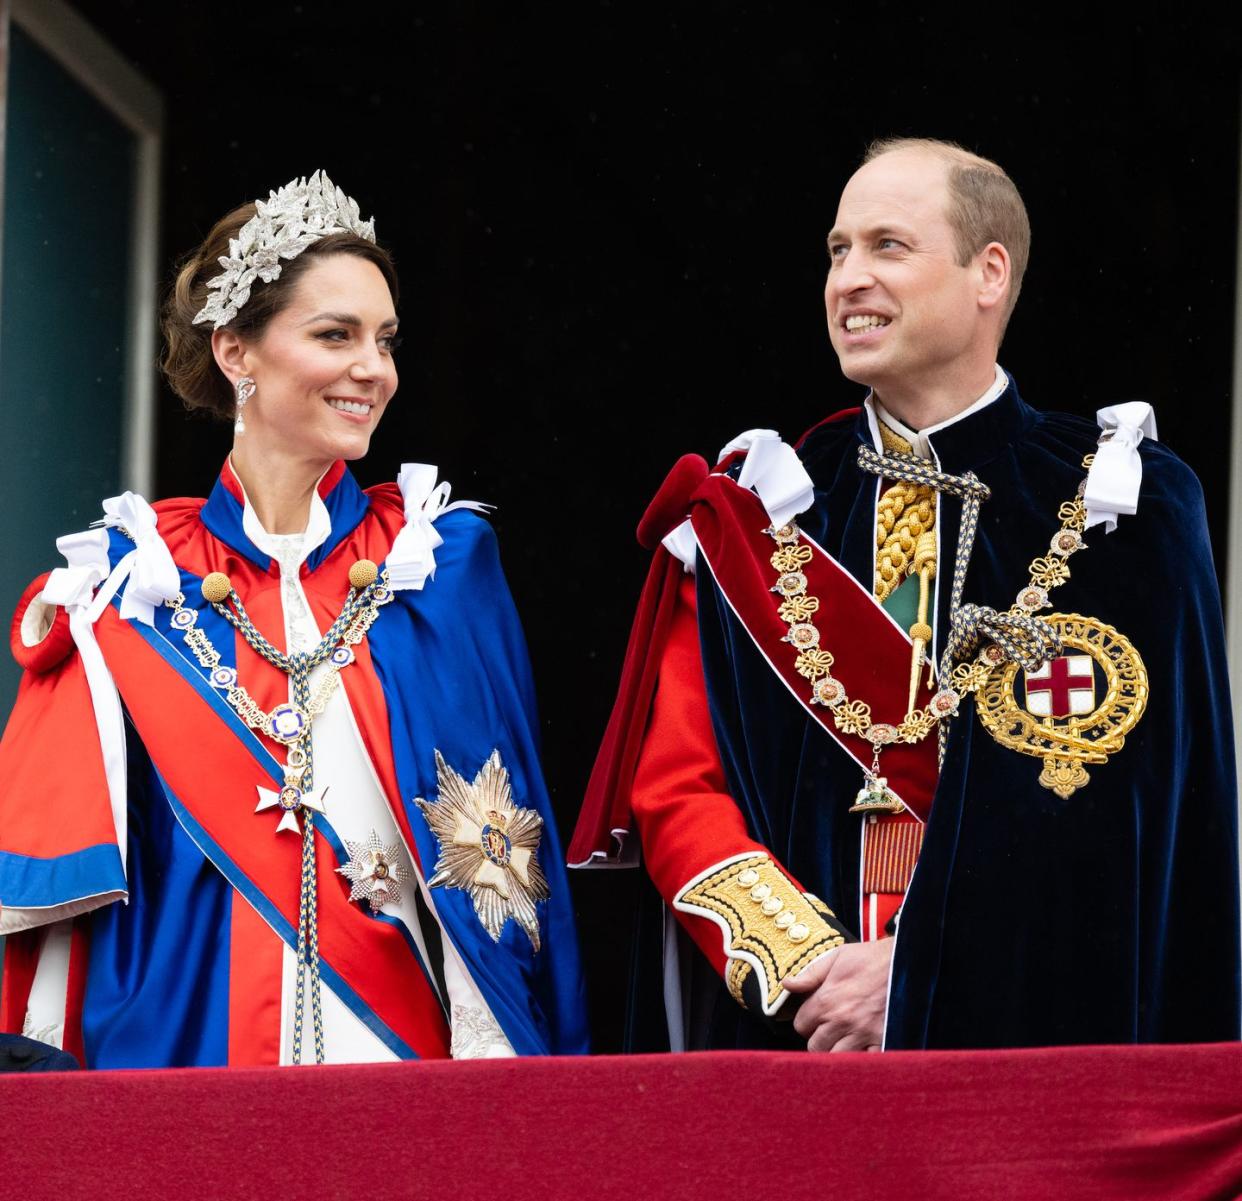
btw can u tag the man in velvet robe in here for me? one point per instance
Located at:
(925, 726)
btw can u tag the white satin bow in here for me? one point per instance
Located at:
(87, 557)
(412, 560)
(1117, 473)
(152, 574)
(773, 469)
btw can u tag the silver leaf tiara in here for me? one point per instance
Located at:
(284, 225)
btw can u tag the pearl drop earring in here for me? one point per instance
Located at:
(244, 390)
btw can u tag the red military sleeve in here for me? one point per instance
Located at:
(742, 908)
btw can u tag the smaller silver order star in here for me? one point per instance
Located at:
(375, 871)
(288, 804)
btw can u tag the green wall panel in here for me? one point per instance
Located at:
(68, 176)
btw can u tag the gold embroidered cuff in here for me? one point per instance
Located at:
(770, 928)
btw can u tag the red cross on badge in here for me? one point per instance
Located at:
(1064, 687)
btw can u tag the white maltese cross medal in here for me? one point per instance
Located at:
(487, 846)
(375, 872)
(289, 800)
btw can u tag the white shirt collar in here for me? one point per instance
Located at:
(876, 412)
(318, 525)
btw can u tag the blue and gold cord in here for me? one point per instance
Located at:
(297, 667)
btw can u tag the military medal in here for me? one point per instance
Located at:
(1057, 715)
(874, 796)
(289, 800)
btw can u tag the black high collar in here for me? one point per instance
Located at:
(974, 440)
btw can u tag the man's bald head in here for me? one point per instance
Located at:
(983, 206)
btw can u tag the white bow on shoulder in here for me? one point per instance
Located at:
(1116, 474)
(412, 560)
(775, 473)
(74, 586)
(773, 469)
(85, 587)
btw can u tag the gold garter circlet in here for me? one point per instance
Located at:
(1066, 742)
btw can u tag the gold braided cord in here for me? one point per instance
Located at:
(906, 513)
(892, 441)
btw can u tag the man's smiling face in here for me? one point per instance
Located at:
(901, 309)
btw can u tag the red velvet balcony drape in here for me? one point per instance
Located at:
(1129, 1123)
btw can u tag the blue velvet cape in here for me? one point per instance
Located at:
(1107, 917)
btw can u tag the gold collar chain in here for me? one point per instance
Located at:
(814, 662)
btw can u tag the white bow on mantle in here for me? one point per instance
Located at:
(412, 560)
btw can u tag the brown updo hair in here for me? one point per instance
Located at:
(188, 362)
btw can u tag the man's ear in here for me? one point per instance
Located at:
(995, 270)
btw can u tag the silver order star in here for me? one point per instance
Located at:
(375, 871)
(487, 846)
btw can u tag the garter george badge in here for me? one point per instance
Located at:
(487, 846)
(1076, 709)
(375, 872)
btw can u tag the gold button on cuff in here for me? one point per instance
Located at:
(772, 930)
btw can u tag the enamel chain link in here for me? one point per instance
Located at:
(290, 724)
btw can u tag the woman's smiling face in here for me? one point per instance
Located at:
(323, 366)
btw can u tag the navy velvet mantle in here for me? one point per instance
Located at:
(1108, 917)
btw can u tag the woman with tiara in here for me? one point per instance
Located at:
(271, 789)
